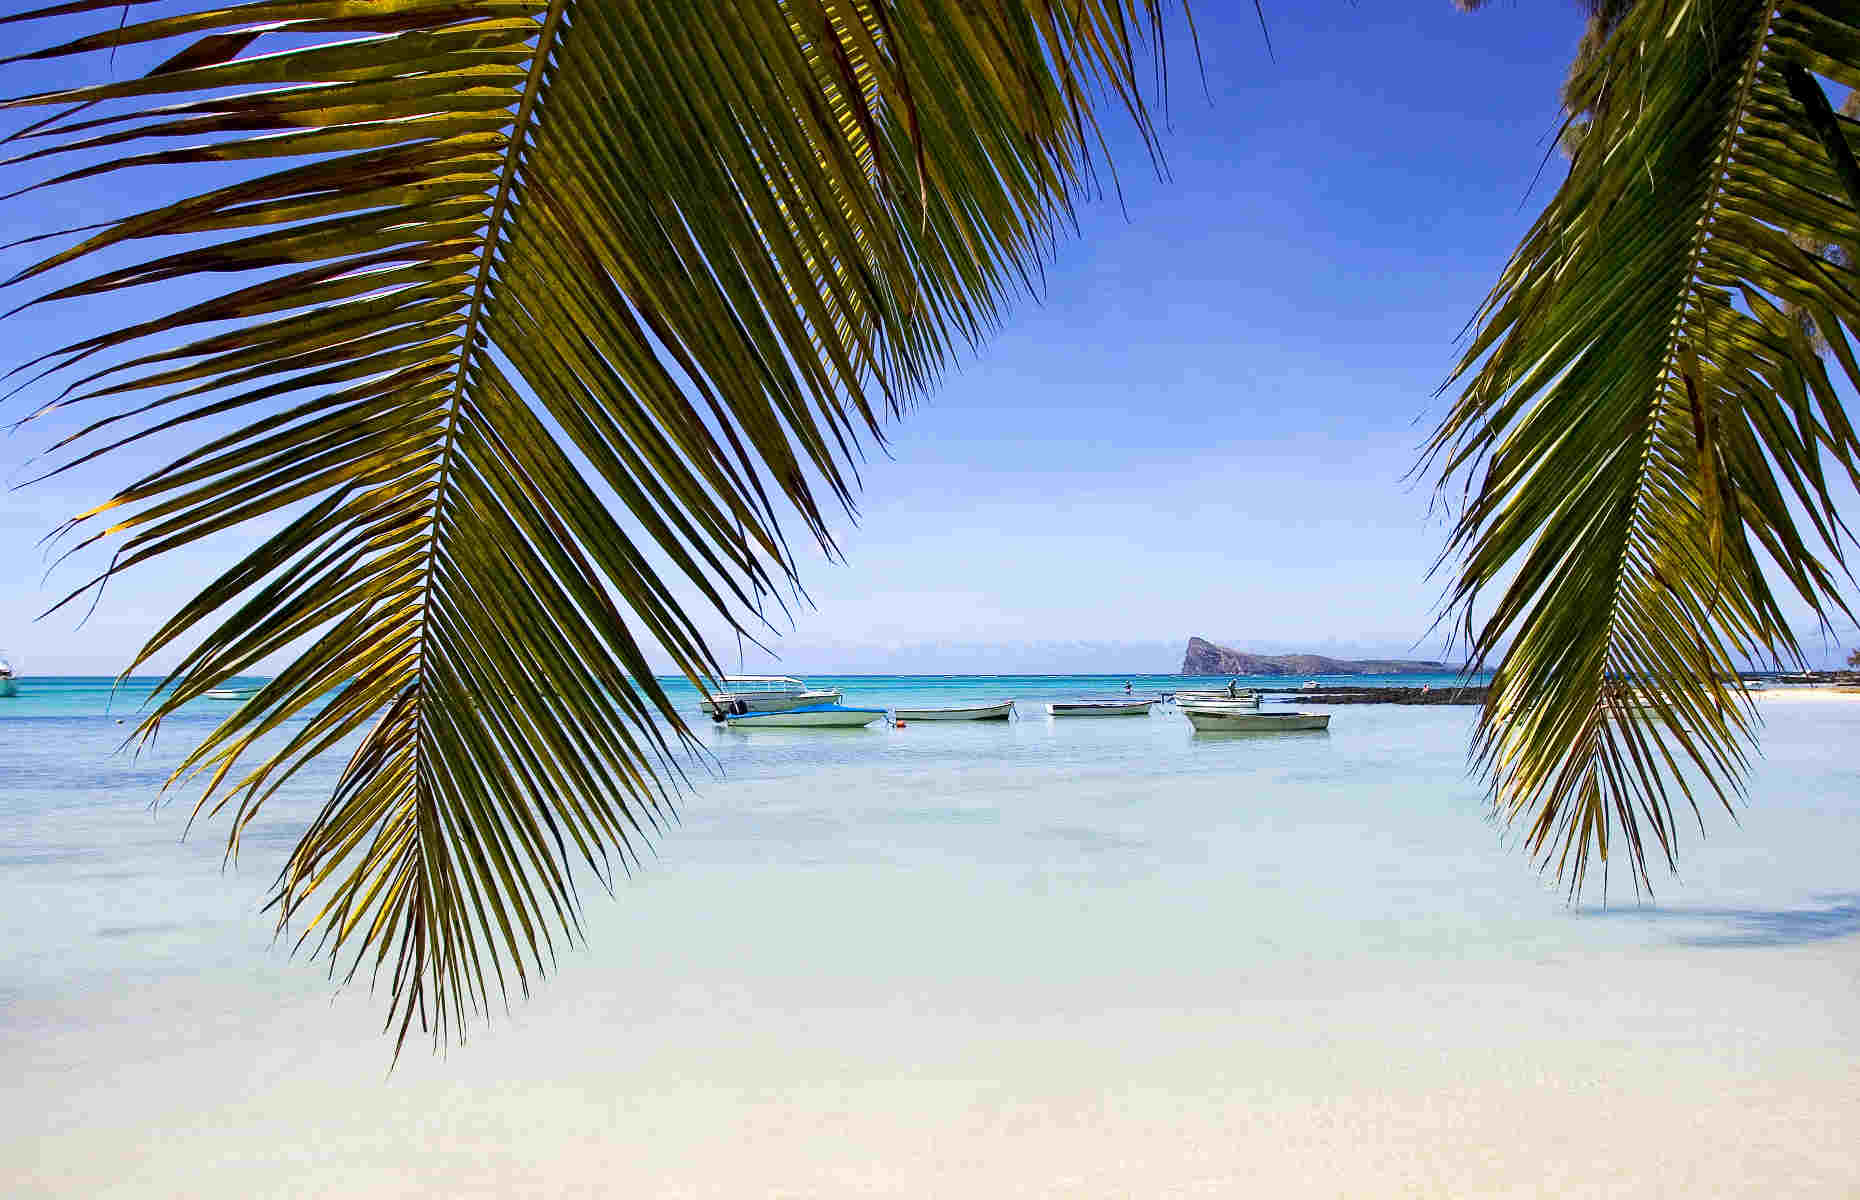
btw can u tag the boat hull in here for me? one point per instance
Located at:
(979, 712)
(1217, 697)
(1108, 708)
(825, 717)
(1229, 721)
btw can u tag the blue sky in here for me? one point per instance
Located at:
(1202, 427)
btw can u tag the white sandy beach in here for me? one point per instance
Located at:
(1668, 1076)
(1813, 693)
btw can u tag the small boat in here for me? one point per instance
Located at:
(1220, 720)
(1239, 696)
(9, 678)
(1309, 685)
(765, 693)
(1099, 708)
(1223, 705)
(819, 716)
(244, 692)
(978, 712)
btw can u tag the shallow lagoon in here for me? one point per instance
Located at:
(1047, 957)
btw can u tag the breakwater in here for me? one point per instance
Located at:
(1380, 695)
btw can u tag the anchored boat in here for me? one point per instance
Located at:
(1210, 719)
(1099, 708)
(765, 693)
(977, 712)
(818, 716)
(1232, 691)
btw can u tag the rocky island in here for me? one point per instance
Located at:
(1205, 658)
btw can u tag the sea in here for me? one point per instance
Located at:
(1047, 956)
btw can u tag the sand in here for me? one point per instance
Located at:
(1818, 693)
(1679, 1075)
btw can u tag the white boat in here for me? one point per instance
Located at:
(765, 693)
(820, 716)
(232, 693)
(977, 712)
(9, 678)
(1309, 685)
(1221, 720)
(1251, 704)
(1099, 708)
(1239, 696)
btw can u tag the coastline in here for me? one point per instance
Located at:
(1810, 693)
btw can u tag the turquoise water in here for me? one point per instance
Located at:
(94, 696)
(1370, 835)
(956, 911)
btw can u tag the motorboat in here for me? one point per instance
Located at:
(1222, 696)
(818, 716)
(977, 712)
(765, 693)
(1250, 704)
(242, 693)
(1099, 708)
(9, 678)
(1309, 685)
(1207, 719)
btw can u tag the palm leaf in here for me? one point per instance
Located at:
(546, 312)
(1642, 420)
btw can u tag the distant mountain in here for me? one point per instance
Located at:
(1205, 658)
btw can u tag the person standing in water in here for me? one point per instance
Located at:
(1126, 687)
(1231, 694)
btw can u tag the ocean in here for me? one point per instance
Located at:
(1045, 957)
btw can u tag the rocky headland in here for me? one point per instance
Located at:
(1205, 658)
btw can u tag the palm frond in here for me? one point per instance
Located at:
(1643, 417)
(546, 312)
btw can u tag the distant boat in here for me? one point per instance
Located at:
(1239, 696)
(1223, 705)
(243, 692)
(979, 712)
(1099, 708)
(1198, 696)
(1208, 719)
(9, 678)
(765, 693)
(819, 716)
(1309, 685)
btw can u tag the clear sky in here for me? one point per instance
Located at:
(1202, 427)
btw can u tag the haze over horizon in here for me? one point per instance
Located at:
(1205, 426)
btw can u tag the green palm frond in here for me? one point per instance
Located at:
(1643, 418)
(543, 312)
